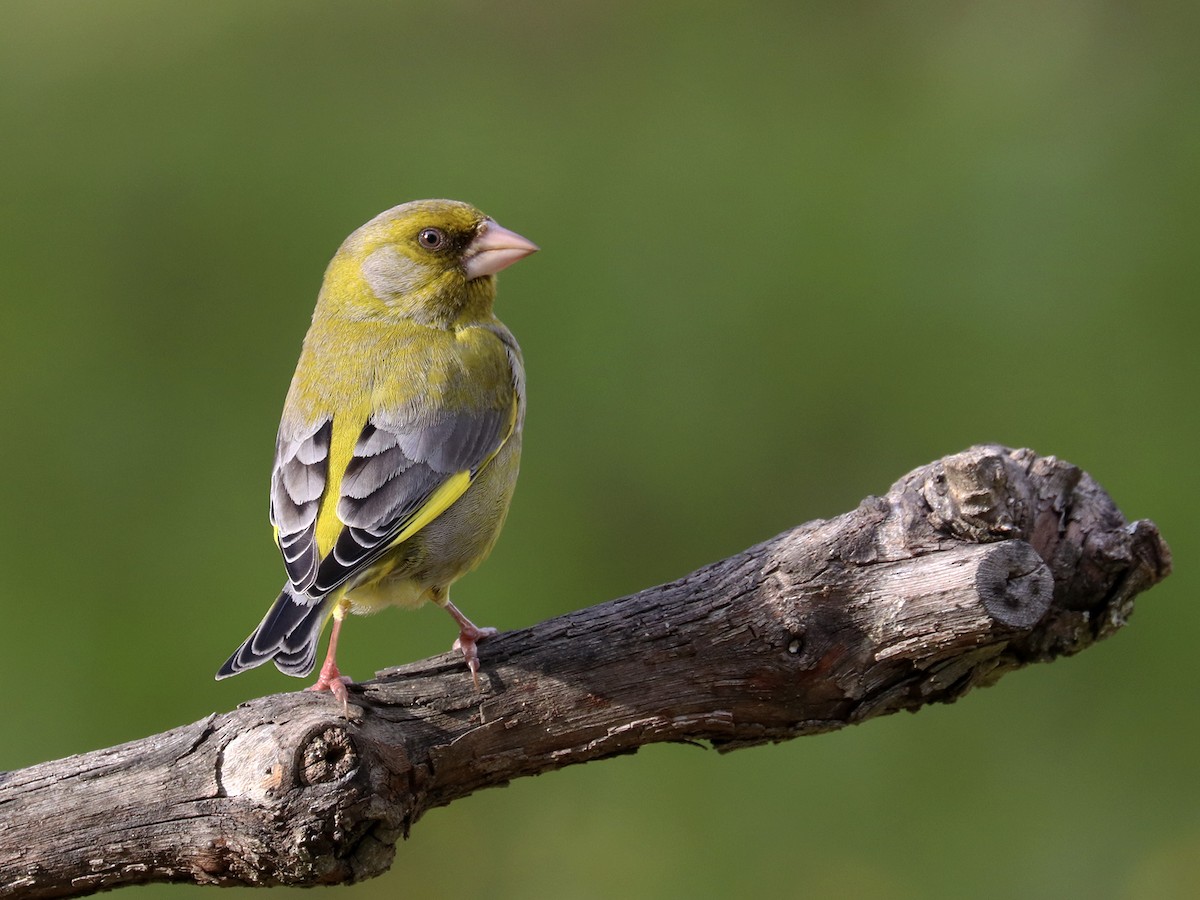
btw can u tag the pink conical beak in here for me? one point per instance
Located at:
(493, 249)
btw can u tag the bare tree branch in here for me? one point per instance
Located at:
(971, 566)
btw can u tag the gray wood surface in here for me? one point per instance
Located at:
(970, 567)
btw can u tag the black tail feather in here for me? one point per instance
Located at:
(288, 634)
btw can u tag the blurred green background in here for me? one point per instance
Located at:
(789, 253)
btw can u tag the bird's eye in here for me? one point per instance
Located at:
(431, 238)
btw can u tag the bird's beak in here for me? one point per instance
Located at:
(494, 248)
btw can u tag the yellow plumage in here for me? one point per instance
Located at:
(400, 439)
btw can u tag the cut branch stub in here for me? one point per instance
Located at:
(1014, 584)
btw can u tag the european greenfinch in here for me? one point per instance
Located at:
(400, 439)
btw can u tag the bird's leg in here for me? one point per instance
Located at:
(469, 634)
(330, 678)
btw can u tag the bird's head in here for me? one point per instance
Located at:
(432, 261)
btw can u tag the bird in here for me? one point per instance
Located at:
(400, 439)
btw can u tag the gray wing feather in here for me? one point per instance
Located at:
(397, 466)
(400, 459)
(297, 483)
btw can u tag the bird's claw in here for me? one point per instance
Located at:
(335, 682)
(468, 638)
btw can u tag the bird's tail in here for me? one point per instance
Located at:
(288, 634)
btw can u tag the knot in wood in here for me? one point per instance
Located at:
(794, 639)
(1014, 584)
(973, 495)
(327, 755)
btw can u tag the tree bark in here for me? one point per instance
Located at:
(970, 567)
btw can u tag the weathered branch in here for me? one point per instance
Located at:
(970, 567)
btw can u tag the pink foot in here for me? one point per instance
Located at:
(467, 639)
(335, 682)
(335, 686)
(469, 634)
(330, 678)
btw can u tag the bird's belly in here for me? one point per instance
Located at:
(392, 589)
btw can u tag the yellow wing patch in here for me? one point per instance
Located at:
(346, 429)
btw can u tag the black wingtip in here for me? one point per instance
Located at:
(288, 634)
